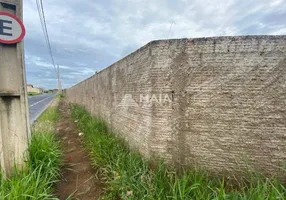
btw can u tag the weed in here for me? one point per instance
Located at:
(129, 176)
(43, 164)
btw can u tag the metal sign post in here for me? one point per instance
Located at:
(14, 119)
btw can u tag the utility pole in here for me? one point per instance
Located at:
(59, 80)
(14, 115)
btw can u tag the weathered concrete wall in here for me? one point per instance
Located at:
(210, 102)
(14, 115)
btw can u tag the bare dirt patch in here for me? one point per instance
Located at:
(79, 178)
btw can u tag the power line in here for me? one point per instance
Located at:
(45, 30)
(173, 22)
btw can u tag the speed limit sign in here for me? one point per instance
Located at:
(12, 29)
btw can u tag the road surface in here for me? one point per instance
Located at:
(38, 104)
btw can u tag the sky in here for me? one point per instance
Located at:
(88, 36)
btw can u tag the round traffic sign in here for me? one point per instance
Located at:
(12, 29)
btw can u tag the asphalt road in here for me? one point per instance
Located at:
(38, 104)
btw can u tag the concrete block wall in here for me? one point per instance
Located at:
(207, 102)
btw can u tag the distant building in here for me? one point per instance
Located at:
(32, 89)
(55, 90)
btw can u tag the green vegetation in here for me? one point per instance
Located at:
(33, 93)
(128, 176)
(61, 95)
(43, 164)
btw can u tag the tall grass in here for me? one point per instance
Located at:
(129, 176)
(43, 164)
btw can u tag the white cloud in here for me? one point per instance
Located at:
(87, 36)
(280, 32)
(276, 3)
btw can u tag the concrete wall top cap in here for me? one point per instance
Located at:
(243, 37)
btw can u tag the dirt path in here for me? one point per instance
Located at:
(79, 178)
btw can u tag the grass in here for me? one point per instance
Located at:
(129, 176)
(33, 93)
(36, 181)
